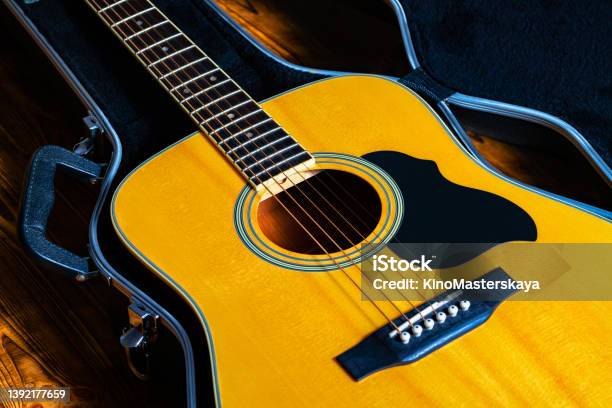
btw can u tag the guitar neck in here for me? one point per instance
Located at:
(255, 144)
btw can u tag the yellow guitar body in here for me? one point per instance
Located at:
(274, 332)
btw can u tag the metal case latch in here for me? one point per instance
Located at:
(136, 339)
(87, 144)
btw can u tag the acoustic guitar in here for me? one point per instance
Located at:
(259, 220)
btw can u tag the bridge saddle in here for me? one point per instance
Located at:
(440, 321)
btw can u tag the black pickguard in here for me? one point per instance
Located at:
(439, 211)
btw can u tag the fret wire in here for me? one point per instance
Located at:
(195, 95)
(132, 16)
(238, 120)
(204, 90)
(277, 164)
(252, 152)
(232, 150)
(270, 156)
(194, 79)
(237, 91)
(225, 81)
(231, 108)
(110, 6)
(148, 47)
(245, 130)
(223, 112)
(184, 66)
(171, 55)
(154, 26)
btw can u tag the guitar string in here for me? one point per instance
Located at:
(322, 212)
(286, 209)
(373, 217)
(333, 224)
(339, 213)
(299, 172)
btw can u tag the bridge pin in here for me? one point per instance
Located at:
(441, 317)
(417, 330)
(405, 337)
(428, 323)
(464, 304)
(452, 310)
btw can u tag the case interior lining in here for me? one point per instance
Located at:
(550, 55)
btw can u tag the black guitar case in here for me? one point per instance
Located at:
(539, 62)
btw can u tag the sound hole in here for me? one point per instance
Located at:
(329, 212)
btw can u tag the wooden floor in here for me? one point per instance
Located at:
(55, 332)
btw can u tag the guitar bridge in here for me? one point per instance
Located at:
(431, 326)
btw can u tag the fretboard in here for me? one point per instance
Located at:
(252, 140)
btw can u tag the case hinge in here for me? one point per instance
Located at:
(87, 144)
(137, 338)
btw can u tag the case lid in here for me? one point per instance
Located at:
(554, 56)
